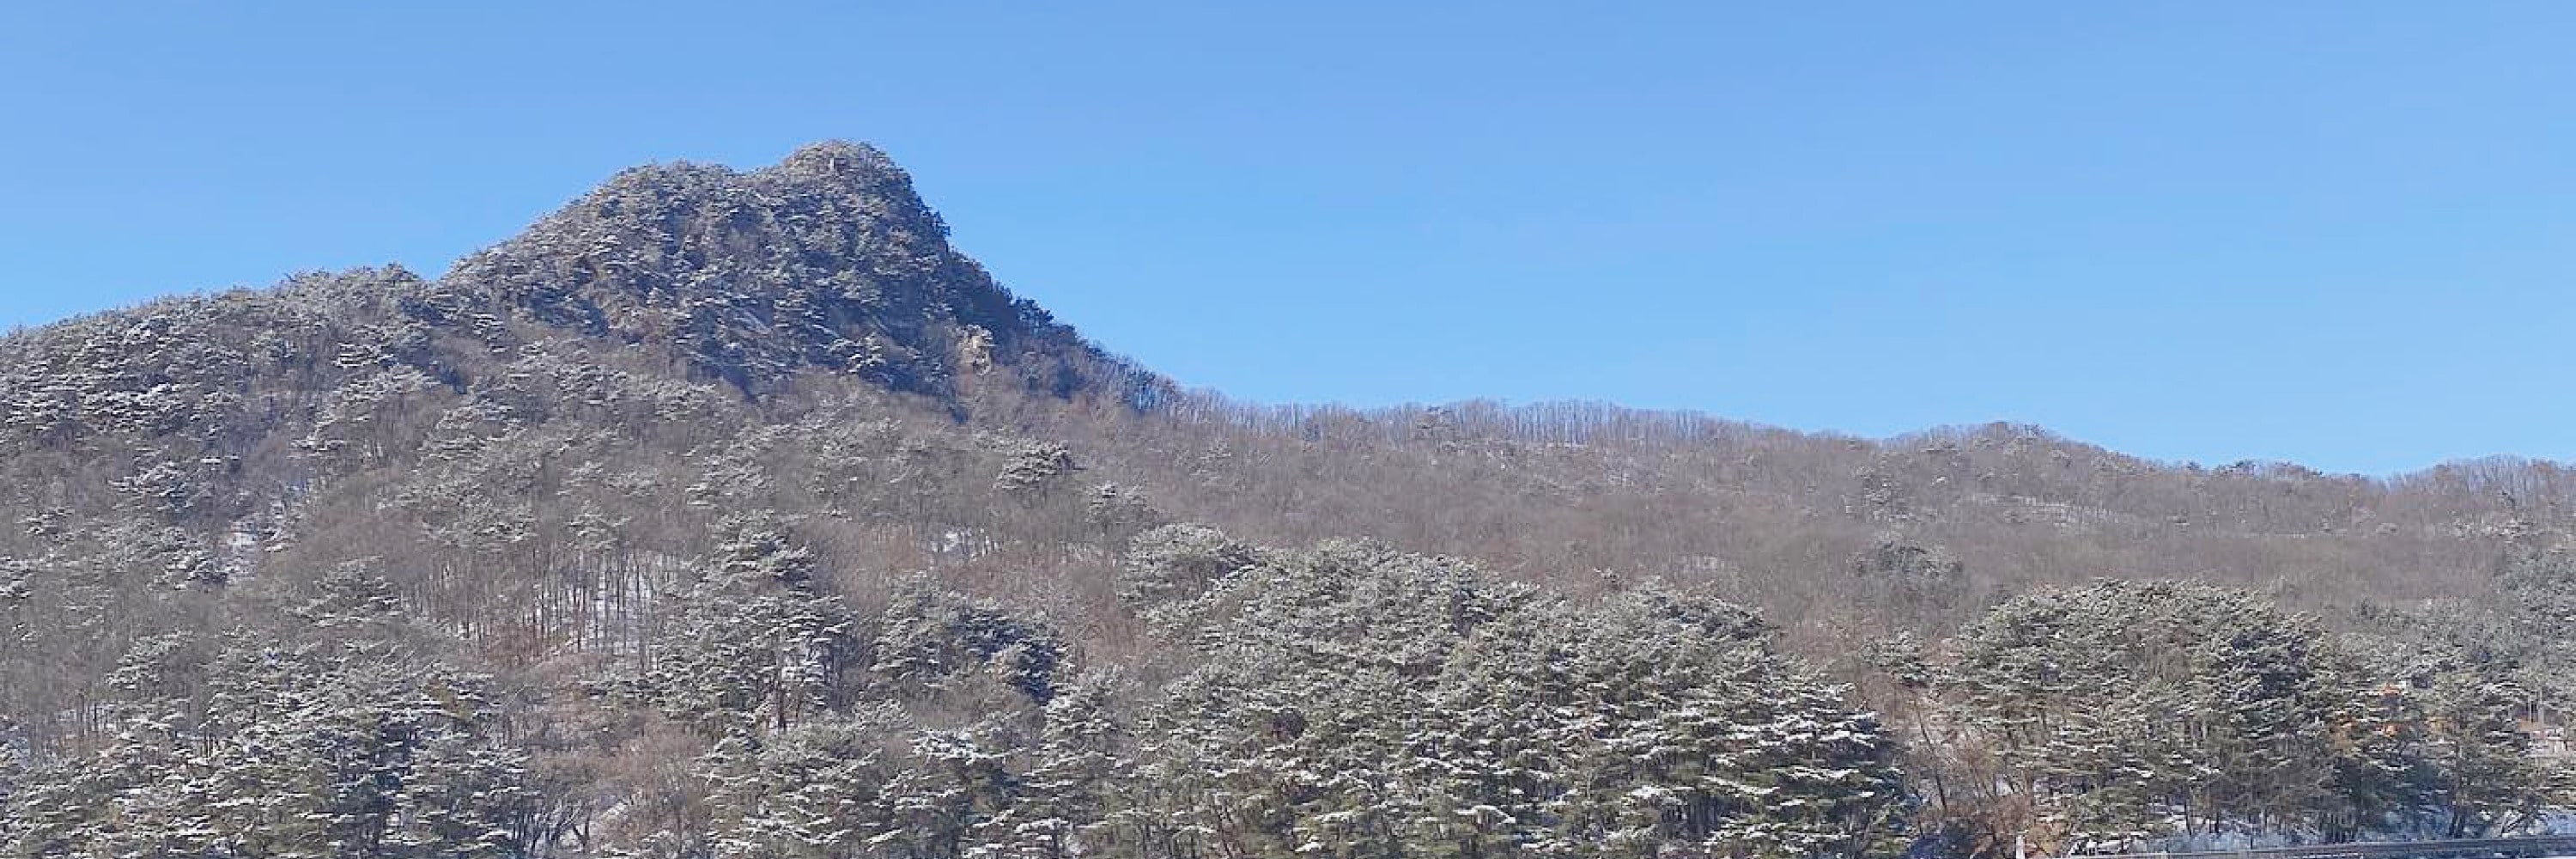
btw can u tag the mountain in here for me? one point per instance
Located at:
(738, 513)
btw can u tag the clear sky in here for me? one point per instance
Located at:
(2337, 233)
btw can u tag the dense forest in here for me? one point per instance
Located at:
(737, 514)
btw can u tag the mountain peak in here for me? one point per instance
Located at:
(839, 160)
(827, 259)
(831, 169)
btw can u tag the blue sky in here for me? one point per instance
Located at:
(2336, 233)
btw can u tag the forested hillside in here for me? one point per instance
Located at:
(737, 514)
